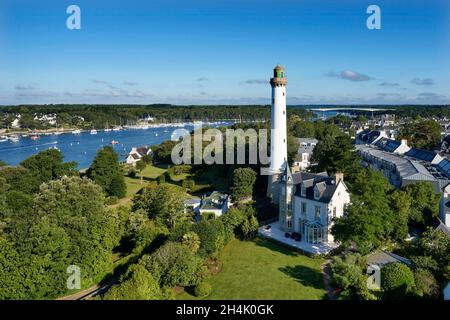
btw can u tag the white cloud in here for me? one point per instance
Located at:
(349, 75)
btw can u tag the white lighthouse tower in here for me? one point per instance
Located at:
(278, 135)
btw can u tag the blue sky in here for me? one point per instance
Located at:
(223, 52)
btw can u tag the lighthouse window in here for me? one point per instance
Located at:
(284, 140)
(283, 94)
(284, 112)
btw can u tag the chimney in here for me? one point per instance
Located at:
(404, 142)
(339, 176)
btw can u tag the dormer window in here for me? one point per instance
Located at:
(316, 194)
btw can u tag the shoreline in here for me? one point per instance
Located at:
(120, 128)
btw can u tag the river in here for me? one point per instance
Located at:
(83, 147)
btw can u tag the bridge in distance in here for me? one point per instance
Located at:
(349, 109)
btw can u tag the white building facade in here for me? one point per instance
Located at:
(309, 203)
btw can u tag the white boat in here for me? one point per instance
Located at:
(3, 139)
(57, 133)
(117, 128)
(93, 131)
(108, 130)
(156, 134)
(14, 138)
(76, 131)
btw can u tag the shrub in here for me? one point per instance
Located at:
(132, 173)
(212, 236)
(111, 200)
(174, 264)
(397, 280)
(192, 241)
(118, 187)
(188, 184)
(203, 289)
(137, 284)
(426, 284)
(179, 169)
(242, 183)
(208, 215)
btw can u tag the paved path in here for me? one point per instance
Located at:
(89, 292)
(326, 271)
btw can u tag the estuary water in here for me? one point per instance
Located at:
(83, 147)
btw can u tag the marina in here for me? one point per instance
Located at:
(82, 146)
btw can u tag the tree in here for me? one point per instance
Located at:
(105, 170)
(348, 274)
(174, 264)
(397, 280)
(301, 128)
(425, 134)
(292, 148)
(336, 154)
(242, 183)
(20, 179)
(192, 241)
(203, 289)
(212, 237)
(136, 284)
(140, 166)
(426, 285)
(163, 153)
(249, 227)
(424, 203)
(401, 203)
(48, 165)
(77, 206)
(188, 184)
(369, 221)
(163, 202)
(435, 244)
(118, 187)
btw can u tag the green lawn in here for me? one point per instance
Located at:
(262, 269)
(152, 172)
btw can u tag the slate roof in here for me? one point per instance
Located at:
(382, 258)
(142, 151)
(440, 226)
(387, 144)
(325, 184)
(307, 141)
(368, 136)
(407, 169)
(424, 155)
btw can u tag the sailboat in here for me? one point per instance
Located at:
(76, 131)
(107, 128)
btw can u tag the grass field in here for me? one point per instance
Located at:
(262, 269)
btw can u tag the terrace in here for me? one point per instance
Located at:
(275, 233)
